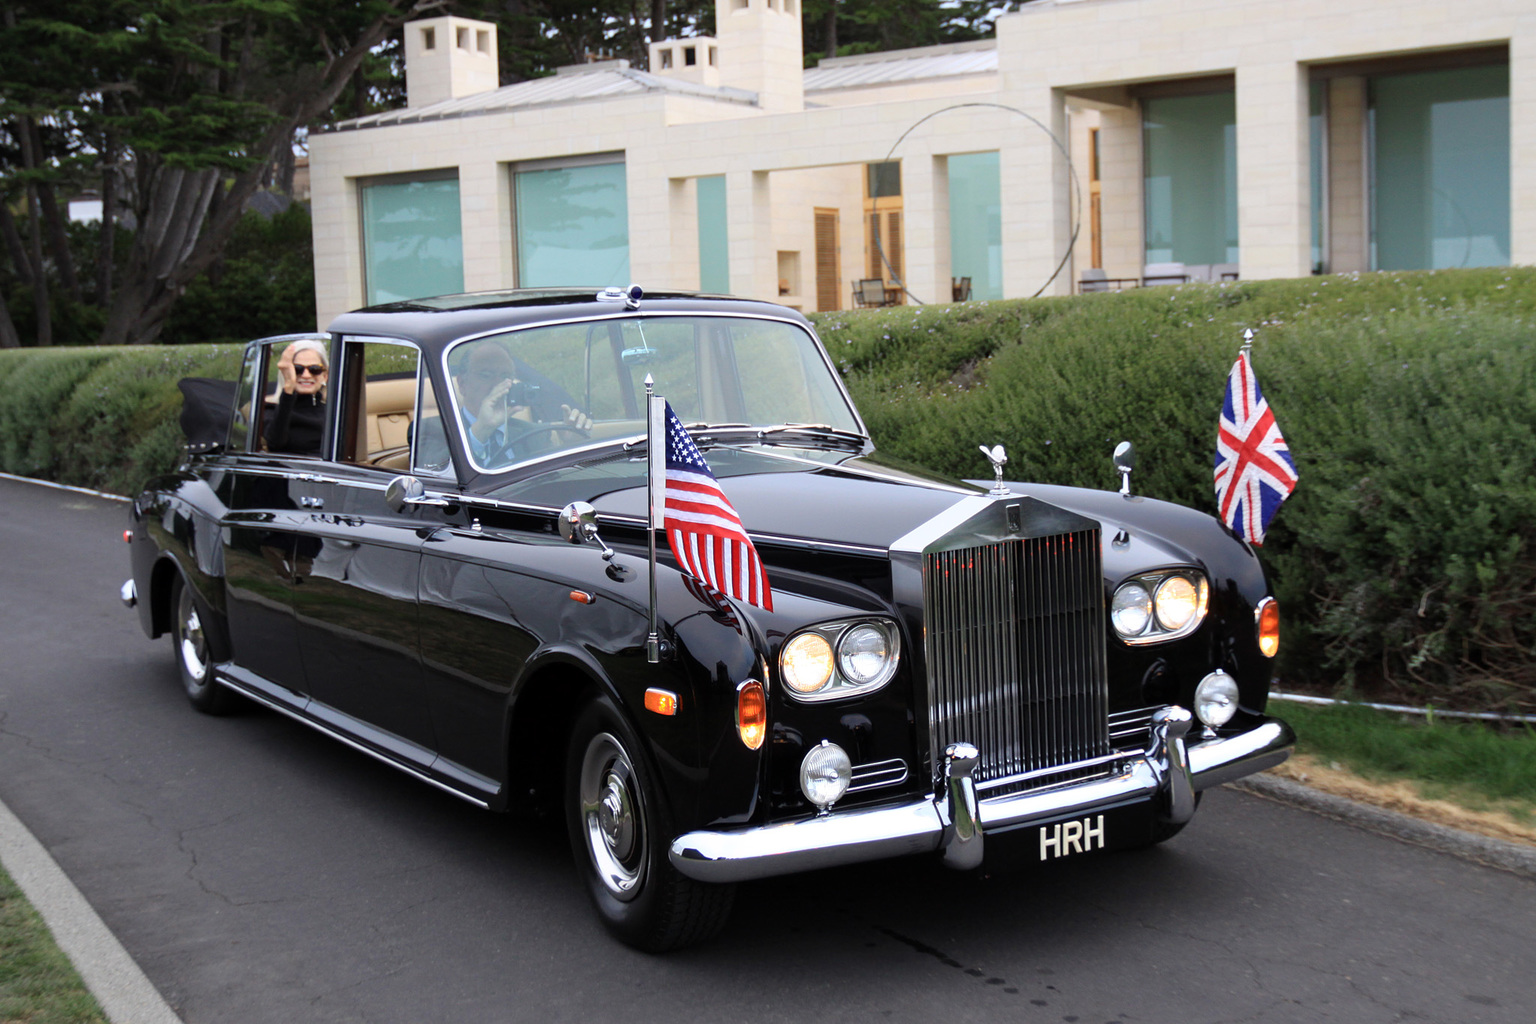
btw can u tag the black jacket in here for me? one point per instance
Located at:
(297, 425)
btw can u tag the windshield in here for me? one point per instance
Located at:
(529, 393)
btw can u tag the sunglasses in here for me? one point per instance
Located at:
(312, 369)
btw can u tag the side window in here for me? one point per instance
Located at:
(378, 410)
(431, 434)
(248, 407)
(296, 387)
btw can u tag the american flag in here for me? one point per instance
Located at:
(1254, 468)
(703, 529)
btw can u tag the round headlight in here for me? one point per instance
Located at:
(864, 654)
(1216, 699)
(1131, 609)
(1177, 602)
(825, 773)
(807, 661)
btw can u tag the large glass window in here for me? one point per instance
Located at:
(714, 239)
(413, 245)
(1190, 147)
(976, 223)
(572, 226)
(1440, 169)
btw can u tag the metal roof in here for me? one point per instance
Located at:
(600, 81)
(954, 59)
(442, 319)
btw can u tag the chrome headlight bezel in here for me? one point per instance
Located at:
(844, 680)
(1172, 593)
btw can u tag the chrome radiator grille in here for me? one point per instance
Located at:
(1015, 646)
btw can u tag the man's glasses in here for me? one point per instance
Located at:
(312, 369)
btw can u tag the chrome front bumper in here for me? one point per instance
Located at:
(1167, 774)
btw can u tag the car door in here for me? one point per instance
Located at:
(261, 493)
(357, 562)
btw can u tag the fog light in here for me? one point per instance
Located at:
(1216, 699)
(825, 773)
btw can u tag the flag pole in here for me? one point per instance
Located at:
(1248, 342)
(654, 456)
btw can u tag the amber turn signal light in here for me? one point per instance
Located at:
(751, 713)
(663, 702)
(1268, 615)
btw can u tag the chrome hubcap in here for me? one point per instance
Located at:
(613, 817)
(194, 646)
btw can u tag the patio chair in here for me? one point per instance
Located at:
(869, 292)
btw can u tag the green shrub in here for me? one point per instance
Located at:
(105, 418)
(1406, 559)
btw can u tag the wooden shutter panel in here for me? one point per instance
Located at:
(829, 285)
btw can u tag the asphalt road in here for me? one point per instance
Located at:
(259, 872)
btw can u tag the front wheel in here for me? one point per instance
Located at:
(619, 834)
(194, 662)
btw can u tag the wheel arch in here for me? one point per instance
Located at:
(543, 710)
(162, 585)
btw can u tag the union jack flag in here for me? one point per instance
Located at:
(1254, 468)
(703, 528)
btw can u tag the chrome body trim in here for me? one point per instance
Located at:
(953, 820)
(878, 775)
(256, 695)
(129, 592)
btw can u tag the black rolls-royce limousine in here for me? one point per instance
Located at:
(427, 533)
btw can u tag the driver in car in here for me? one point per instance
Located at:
(502, 404)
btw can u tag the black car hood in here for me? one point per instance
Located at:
(870, 502)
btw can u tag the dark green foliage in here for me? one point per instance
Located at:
(105, 418)
(1406, 560)
(264, 284)
(867, 26)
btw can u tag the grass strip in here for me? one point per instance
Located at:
(1479, 766)
(38, 984)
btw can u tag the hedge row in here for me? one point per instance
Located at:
(106, 418)
(1405, 562)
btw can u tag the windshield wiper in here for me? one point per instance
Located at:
(810, 435)
(702, 434)
(787, 435)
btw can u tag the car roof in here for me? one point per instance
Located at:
(439, 320)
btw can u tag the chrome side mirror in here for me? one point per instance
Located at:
(1125, 461)
(578, 525)
(403, 491)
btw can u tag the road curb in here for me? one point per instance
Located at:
(1497, 853)
(125, 994)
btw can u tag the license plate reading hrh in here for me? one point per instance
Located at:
(1069, 837)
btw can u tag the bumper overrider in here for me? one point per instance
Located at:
(1165, 777)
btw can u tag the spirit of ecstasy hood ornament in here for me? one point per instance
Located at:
(998, 458)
